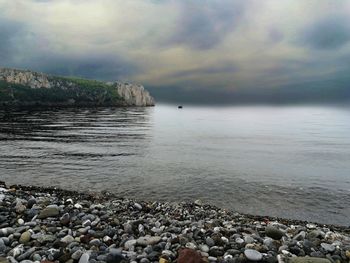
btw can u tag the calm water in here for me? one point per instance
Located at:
(283, 161)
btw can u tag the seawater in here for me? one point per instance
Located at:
(285, 161)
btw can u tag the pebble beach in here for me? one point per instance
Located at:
(53, 225)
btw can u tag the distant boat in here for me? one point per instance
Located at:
(179, 107)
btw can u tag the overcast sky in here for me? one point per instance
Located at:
(187, 50)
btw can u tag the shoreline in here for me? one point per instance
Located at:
(105, 196)
(103, 227)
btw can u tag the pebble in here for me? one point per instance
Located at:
(148, 240)
(328, 247)
(77, 254)
(25, 237)
(62, 226)
(84, 258)
(253, 255)
(273, 232)
(50, 211)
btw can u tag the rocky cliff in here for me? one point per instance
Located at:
(24, 87)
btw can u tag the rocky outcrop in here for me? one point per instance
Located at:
(25, 77)
(128, 94)
(134, 95)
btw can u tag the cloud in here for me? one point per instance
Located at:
(328, 33)
(204, 24)
(217, 49)
(10, 33)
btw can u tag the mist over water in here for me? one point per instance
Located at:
(286, 161)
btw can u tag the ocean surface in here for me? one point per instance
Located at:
(285, 161)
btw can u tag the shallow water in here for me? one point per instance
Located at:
(270, 160)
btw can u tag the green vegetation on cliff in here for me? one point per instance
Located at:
(63, 91)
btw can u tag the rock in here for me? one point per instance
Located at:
(84, 258)
(252, 255)
(4, 260)
(273, 232)
(46, 238)
(138, 206)
(189, 256)
(347, 254)
(328, 247)
(77, 254)
(31, 202)
(148, 240)
(65, 219)
(25, 237)
(308, 260)
(49, 211)
(2, 246)
(198, 202)
(130, 243)
(204, 248)
(67, 239)
(5, 232)
(210, 242)
(95, 242)
(26, 254)
(114, 256)
(191, 245)
(300, 236)
(36, 257)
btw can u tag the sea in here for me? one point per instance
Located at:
(283, 161)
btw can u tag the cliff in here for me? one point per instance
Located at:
(27, 88)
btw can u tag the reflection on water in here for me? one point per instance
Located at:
(282, 161)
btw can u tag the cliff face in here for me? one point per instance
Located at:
(69, 90)
(134, 94)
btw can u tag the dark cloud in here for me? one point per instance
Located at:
(19, 49)
(10, 32)
(327, 33)
(204, 24)
(335, 90)
(92, 67)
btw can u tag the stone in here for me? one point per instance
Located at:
(148, 240)
(67, 239)
(198, 202)
(65, 219)
(252, 255)
(95, 242)
(84, 258)
(204, 248)
(114, 256)
(189, 256)
(36, 257)
(300, 236)
(308, 260)
(77, 254)
(5, 232)
(273, 232)
(46, 238)
(130, 243)
(49, 211)
(210, 242)
(2, 246)
(138, 206)
(25, 237)
(4, 260)
(328, 247)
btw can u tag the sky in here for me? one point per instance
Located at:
(210, 51)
